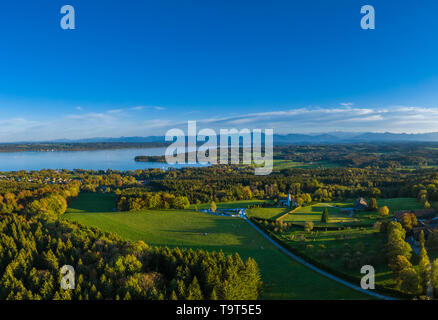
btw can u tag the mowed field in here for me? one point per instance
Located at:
(286, 164)
(395, 204)
(267, 213)
(282, 277)
(230, 205)
(313, 213)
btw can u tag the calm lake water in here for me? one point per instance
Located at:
(117, 159)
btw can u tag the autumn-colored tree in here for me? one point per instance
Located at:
(399, 264)
(383, 211)
(373, 204)
(308, 226)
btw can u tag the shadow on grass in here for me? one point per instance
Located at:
(280, 214)
(93, 202)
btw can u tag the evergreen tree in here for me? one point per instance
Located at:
(213, 295)
(434, 277)
(325, 216)
(421, 239)
(194, 291)
(424, 270)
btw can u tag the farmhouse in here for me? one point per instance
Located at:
(360, 204)
(427, 227)
(427, 221)
(421, 214)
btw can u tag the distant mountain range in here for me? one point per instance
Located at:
(293, 138)
(349, 137)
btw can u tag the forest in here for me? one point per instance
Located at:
(360, 155)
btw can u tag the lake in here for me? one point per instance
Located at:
(115, 159)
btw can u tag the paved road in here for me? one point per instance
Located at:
(298, 259)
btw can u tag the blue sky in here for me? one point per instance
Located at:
(141, 67)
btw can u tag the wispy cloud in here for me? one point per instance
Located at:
(115, 123)
(349, 118)
(116, 111)
(137, 108)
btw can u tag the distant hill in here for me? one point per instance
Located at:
(292, 138)
(349, 137)
(120, 139)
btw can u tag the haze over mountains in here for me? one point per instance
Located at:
(295, 138)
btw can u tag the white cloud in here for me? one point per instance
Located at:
(119, 122)
(116, 111)
(136, 108)
(354, 119)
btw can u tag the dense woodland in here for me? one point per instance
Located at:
(384, 155)
(224, 183)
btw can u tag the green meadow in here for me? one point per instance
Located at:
(282, 277)
(395, 204)
(280, 164)
(313, 213)
(266, 213)
(327, 248)
(229, 205)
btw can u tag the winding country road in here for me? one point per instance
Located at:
(299, 260)
(308, 265)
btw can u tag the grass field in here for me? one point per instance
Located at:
(91, 202)
(395, 204)
(285, 164)
(266, 213)
(282, 277)
(326, 248)
(229, 205)
(313, 213)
